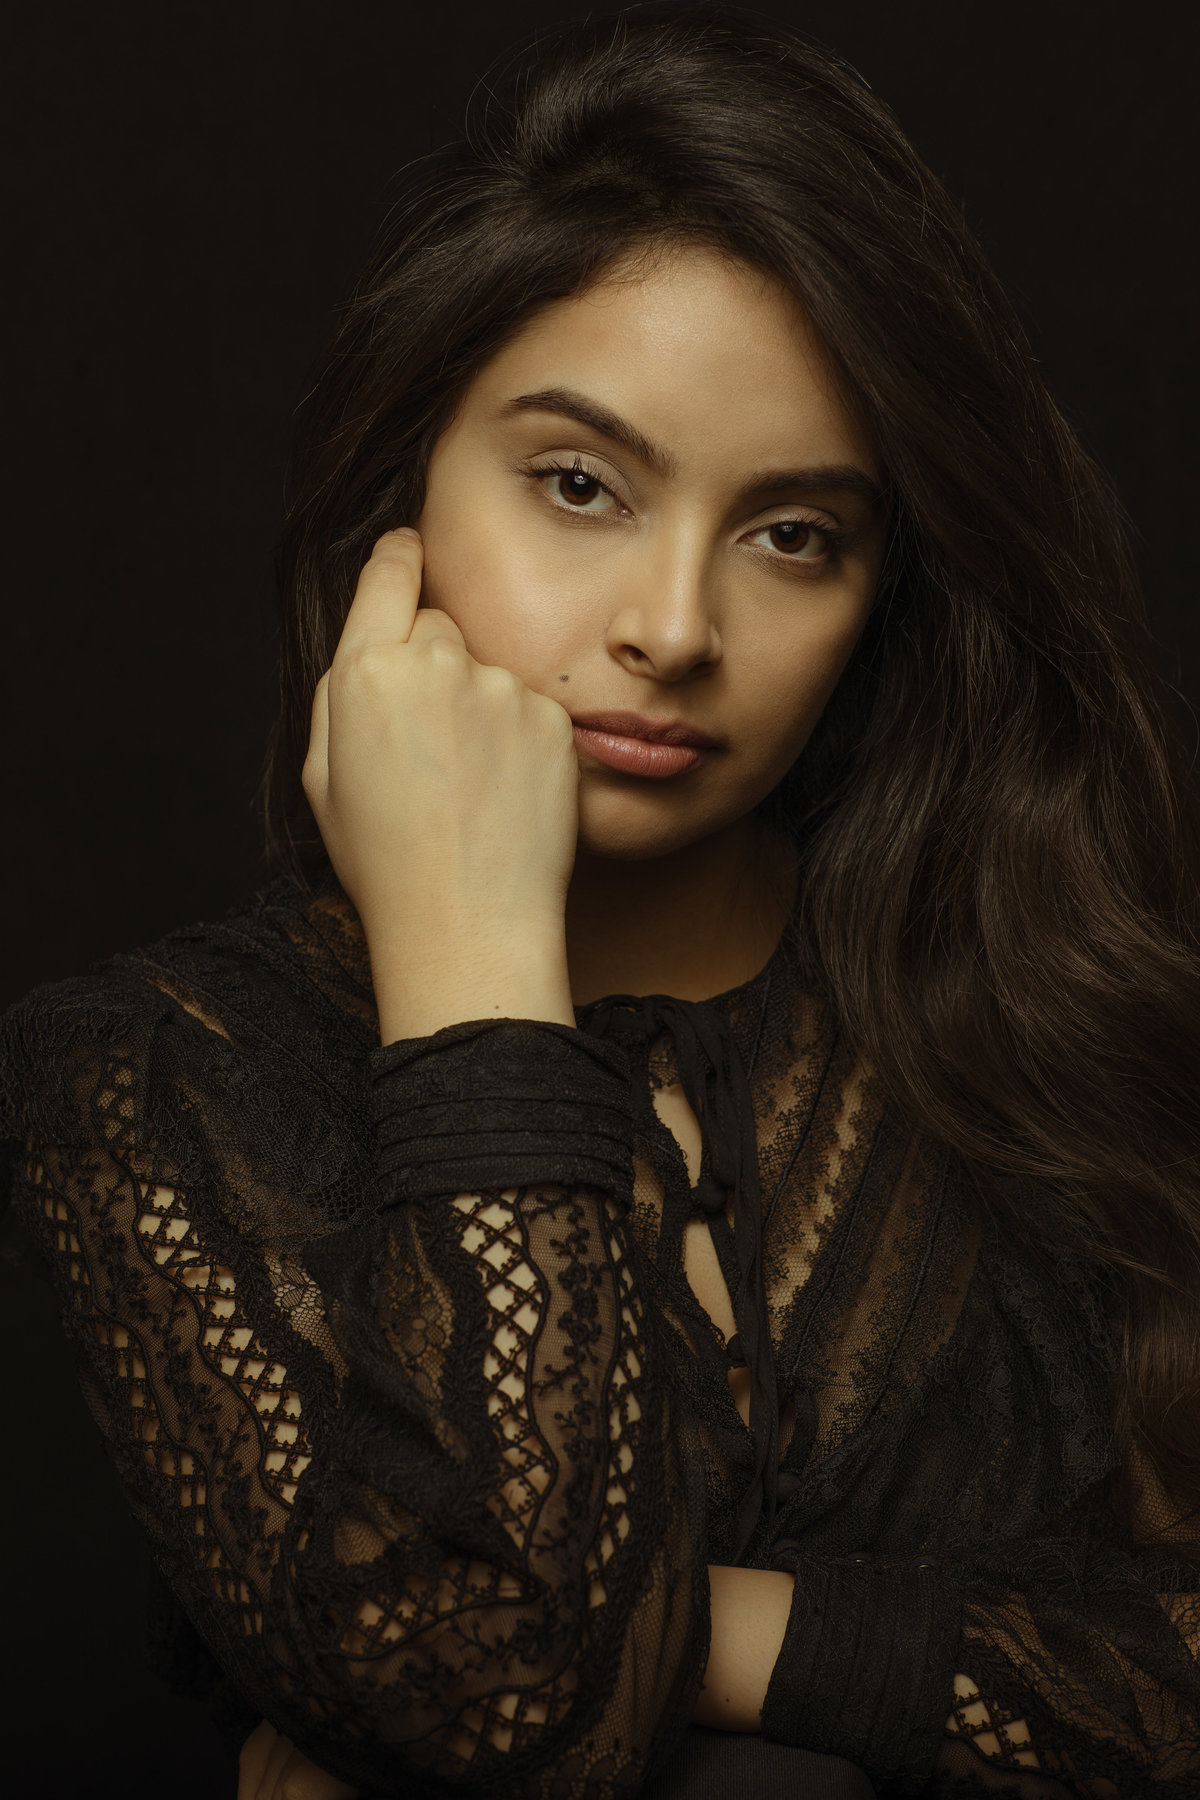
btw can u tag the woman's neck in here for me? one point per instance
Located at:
(692, 924)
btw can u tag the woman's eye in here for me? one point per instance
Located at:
(798, 540)
(576, 489)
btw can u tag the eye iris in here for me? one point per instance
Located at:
(790, 534)
(576, 484)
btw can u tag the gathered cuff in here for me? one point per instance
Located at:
(503, 1103)
(866, 1670)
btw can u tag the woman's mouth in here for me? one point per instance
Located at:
(635, 755)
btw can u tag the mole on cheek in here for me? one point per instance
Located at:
(564, 678)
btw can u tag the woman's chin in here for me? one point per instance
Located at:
(638, 828)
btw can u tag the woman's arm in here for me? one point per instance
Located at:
(749, 1612)
(415, 1476)
(1040, 1666)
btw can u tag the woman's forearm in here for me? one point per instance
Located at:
(750, 1610)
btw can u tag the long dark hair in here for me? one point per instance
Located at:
(1000, 836)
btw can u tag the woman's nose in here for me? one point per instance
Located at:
(666, 622)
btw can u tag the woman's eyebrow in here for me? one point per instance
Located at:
(824, 478)
(570, 405)
(836, 477)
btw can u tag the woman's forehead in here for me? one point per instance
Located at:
(707, 358)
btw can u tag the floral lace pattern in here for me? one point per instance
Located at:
(396, 1359)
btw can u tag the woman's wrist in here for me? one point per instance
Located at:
(749, 1611)
(422, 986)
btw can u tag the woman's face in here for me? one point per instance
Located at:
(652, 501)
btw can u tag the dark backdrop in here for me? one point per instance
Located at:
(192, 186)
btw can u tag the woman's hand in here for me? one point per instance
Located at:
(271, 1768)
(446, 792)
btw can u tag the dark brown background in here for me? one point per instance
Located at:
(191, 189)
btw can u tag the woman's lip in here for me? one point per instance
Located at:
(652, 731)
(637, 756)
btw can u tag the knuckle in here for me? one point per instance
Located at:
(371, 668)
(320, 693)
(432, 615)
(555, 718)
(442, 653)
(502, 680)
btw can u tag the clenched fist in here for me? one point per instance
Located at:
(271, 1768)
(446, 793)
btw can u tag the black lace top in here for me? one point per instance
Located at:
(400, 1369)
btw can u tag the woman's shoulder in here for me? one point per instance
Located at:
(283, 939)
(276, 994)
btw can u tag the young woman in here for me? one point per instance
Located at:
(679, 1205)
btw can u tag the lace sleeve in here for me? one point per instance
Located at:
(1045, 1670)
(417, 1479)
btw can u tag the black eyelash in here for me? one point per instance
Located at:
(835, 537)
(576, 468)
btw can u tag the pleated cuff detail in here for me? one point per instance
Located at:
(503, 1103)
(866, 1669)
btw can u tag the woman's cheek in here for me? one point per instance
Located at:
(447, 585)
(501, 628)
(791, 711)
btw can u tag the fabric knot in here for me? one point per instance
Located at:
(708, 1195)
(714, 1080)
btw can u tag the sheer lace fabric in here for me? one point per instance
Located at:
(396, 1359)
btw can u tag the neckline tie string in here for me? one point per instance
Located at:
(713, 1077)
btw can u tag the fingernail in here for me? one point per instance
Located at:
(406, 531)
